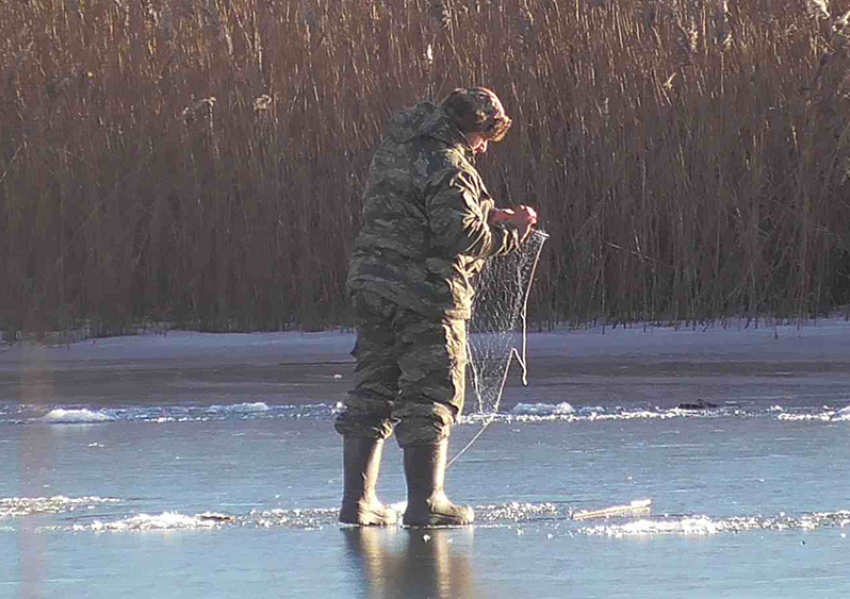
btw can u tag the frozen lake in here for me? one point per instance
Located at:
(193, 465)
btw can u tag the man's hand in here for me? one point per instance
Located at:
(500, 215)
(524, 217)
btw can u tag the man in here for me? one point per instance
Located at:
(428, 225)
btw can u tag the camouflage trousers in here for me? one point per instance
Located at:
(410, 374)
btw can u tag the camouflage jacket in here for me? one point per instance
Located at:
(424, 231)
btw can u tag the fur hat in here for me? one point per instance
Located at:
(477, 110)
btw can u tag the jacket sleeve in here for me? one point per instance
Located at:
(458, 216)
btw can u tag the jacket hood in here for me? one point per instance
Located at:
(426, 120)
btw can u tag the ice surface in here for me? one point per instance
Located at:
(226, 443)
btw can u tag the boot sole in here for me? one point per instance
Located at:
(369, 518)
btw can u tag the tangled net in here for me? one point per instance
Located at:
(498, 325)
(497, 329)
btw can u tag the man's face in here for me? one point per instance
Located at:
(478, 143)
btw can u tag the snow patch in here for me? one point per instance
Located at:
(32, 506)
(76, 416)
(843, 414)
(542, 409)
(242, 408)
(164, 521)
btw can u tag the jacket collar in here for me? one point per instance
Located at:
(429, 120)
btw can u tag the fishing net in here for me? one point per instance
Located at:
(498, 325)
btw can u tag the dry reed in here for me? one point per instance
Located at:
(201, 162)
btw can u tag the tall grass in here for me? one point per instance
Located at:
(201, 161)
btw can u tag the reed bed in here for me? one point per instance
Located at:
(200, 162)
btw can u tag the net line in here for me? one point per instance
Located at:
(497, 329)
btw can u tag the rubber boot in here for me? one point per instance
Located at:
(427, 504)
(361, 461)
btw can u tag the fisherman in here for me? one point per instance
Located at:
(428, 225)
